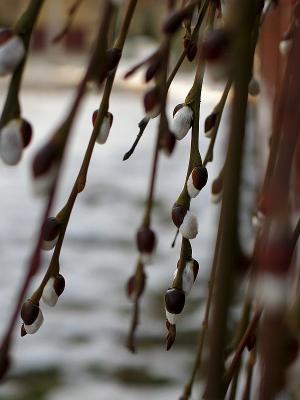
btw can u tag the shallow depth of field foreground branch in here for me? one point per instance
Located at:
(249, 307)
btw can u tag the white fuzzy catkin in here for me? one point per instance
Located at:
(270, 291)
(11, 54)
(171, 317)
(43, 183)
(188, 277)
(285, 46)
(35, 326)
(11, 142)
(104, 130)
(192, 190)
(49, 244)
(182, 122)
(189, 226)
(49, 295)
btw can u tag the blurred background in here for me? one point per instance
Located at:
(80, 349)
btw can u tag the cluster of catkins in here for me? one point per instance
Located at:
(31, 313)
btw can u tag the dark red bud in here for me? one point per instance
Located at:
(191, 51)
(151, 99)
(199, 177)
(168, 142)
(59, 284)
(153, 68)
(26, 132)
(217, 186)
(29, 312)
(45, 159)
(131, 287)
(94, 117)
(175, 19)
(52, 228)
(145, 239)
(210, 122)
(178, 214)
(113, 57)
(177, 108)
(174, 300)
(5, 35)
(216, 45)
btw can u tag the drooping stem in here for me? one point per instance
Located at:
(62, 133)
(80, 181)
(242, 50)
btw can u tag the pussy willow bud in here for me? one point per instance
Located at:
(51, 233)
(174, 300)
(189, 275)
(209, 124)
(105, 126)
(134, 291)
(185, 221)
(53, 289)
(168, 142)
(31, 316)
(14, 137)
(153, 68)
(215, 51)
(152, 102)
(197, 180)
(253, 87)
(44, 168)
(175, 19)
(146, 241)
(286, 42)
(191, 50)
(112, 58)
(182, 122)
(217, 190)
(12, 51)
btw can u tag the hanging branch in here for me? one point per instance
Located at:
(60, 137)
(146, 222)
(277, 222)
(243, 51)
(79, 185)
